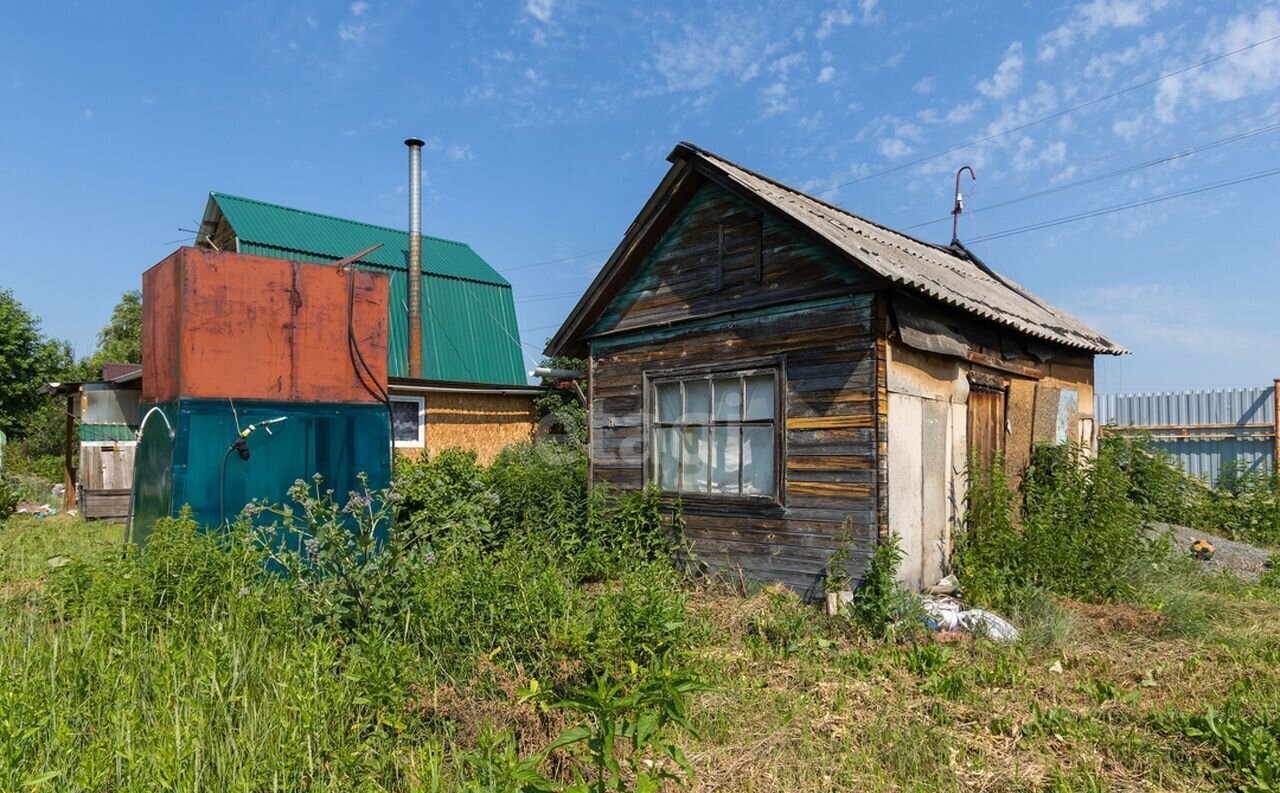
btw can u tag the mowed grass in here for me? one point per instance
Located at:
(810, 710)
(240, 697)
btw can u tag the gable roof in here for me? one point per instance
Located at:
(949, 275)
(259, 225)
(469, 328)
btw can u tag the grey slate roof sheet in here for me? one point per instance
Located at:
(950, 276)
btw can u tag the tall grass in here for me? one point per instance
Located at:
(1074, 528)
(195, 663)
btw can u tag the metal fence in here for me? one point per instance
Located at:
(1201, 430)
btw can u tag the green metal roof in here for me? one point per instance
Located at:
(297, 231)
(106, 432)
(469, 330)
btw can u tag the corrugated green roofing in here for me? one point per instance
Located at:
(106, 432)
(298, 231)
(469, 331)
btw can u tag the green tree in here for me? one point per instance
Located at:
(27, 360)
(120, 341)
(562, 401)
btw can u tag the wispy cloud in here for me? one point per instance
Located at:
(1252, 72)
(844, 14)
(1008, 75)
(354, 30)
(925, 85)
(1094, 17)
(700, 55)
(776, 98)
(541, 10)
(827, 74)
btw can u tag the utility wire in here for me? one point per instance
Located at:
(1128, 205)
(555, 261)
(1050, 117)
(1235, 123)
(1111, 174)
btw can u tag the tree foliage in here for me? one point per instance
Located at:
(120, 340)
(27, 359)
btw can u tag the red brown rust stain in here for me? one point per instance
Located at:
(220, 324)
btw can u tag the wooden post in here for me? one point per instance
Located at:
(1275, 429)
(68, 468)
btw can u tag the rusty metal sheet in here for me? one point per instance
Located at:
(221, 324)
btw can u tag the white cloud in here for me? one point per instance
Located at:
(811, 123)
(894, 148)
(1094, 17)
(776, 99)
(358, 8)
(842, 16)
(783, 66)
(540, 10)
(1249, 73)
(1106, 65)
(827, 74)
(924, 85)
(1008, 75)
(702, 55)
(895, 137)
(957, 115)
(352, 32)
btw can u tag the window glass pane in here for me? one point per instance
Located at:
(724, 460)
(757, 460)
(697, 400)
(695, 460)
(727, 405)
(760, 393)
(404, 420)
(669, 402)
(668, 457)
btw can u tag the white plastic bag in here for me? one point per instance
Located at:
(983, 623)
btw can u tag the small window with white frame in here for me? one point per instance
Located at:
(716, 434)
(408, 421)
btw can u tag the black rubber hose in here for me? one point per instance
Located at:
(358, 362)
(222, 487)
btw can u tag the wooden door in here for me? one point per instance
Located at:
(986, 423)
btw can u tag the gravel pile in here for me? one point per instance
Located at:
(1245, 560)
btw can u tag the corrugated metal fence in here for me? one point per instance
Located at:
(1202, 430)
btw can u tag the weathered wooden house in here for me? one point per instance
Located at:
(796, 374)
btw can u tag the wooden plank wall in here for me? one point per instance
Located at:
(826, 355)
(779, 300)
(679, 281)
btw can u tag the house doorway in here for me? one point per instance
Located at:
(986, 425)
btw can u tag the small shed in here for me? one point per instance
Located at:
(101, 440)
(804, 379)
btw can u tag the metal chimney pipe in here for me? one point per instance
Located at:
(415, 257)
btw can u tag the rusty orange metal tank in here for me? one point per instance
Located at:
(219, 324)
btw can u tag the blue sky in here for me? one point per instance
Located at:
(548, 123)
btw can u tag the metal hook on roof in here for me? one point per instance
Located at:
(959, 207)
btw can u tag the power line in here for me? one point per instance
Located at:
(547, 296)
(1094, 213)
(1111, 174)
(555, 261)
(1050, 117)
(1235, 123)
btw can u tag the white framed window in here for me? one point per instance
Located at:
(409, 421)
(716, 434)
